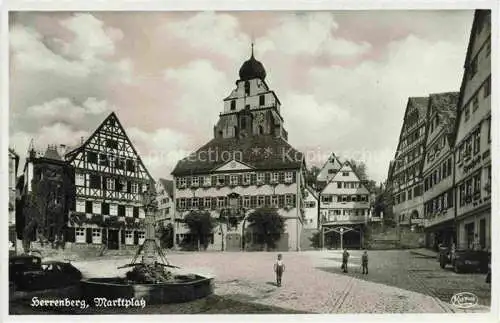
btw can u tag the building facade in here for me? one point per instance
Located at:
(110, 178)
(46, 194)
(310, 209)
(406, 170)
(13, 167)
(438, 170)
(247, 165)
(473, 140)
(165, 199)
(344, 209)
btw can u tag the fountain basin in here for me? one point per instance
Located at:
(181, 289)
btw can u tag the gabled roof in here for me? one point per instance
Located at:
(263, 152)
(420, 103)
(445, 105)
(332, 159)
(344, 165)
(168, 185)
(51, 153)
(71, 155)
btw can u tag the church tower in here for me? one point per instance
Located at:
(247, 165)
(252, 109)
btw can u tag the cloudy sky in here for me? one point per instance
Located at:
(343, 77)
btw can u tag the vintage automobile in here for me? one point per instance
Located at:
(464, 260)
(29, 273)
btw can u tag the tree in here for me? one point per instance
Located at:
(200, 225)
(166, 235)
(268, 225)
(45, 207)
(316, 240)
(360, 169)
(383, 204)
(311, 176)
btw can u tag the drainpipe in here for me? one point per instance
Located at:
(454, 191)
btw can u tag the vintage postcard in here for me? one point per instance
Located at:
(258, 161)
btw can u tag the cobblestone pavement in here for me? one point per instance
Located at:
(398, 281)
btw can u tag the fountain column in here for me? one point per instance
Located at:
(149, 246)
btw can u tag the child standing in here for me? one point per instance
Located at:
(279, 269)
(345, 259)
(364, 262)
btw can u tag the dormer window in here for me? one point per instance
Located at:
(262, 100)
(233, 105)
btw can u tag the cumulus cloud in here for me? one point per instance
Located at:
(310, 34)
(375, 94)
(200, 89)
(81, 64)
(160, 149)
(343, 88)
(65, 110)
(214, 32)
(29, 53)
(91, 38)
(58, 134)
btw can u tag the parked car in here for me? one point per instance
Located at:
(29, 273)
(464, 260)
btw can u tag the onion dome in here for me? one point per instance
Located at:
(252, 69)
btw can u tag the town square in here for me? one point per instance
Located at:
(211, 163)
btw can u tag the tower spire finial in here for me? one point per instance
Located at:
(253, 43)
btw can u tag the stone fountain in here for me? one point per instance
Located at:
(151, 277)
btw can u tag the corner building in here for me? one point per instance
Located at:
(473, 140)
(247, 165)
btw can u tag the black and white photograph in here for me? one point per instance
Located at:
(210, 160)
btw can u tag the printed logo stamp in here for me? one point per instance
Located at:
(464, 300)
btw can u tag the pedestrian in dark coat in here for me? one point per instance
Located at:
(364, 262)
(345, 259)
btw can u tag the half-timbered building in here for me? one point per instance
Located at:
(248, 164)
(109, 179)
(344, 209)
(438, 170)
(406, 171)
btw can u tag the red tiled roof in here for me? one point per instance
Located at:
(260, 152)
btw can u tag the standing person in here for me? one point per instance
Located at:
(345, 258)
(279, 269)
(364, 262)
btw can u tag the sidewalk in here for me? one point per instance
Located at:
(424, 253)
